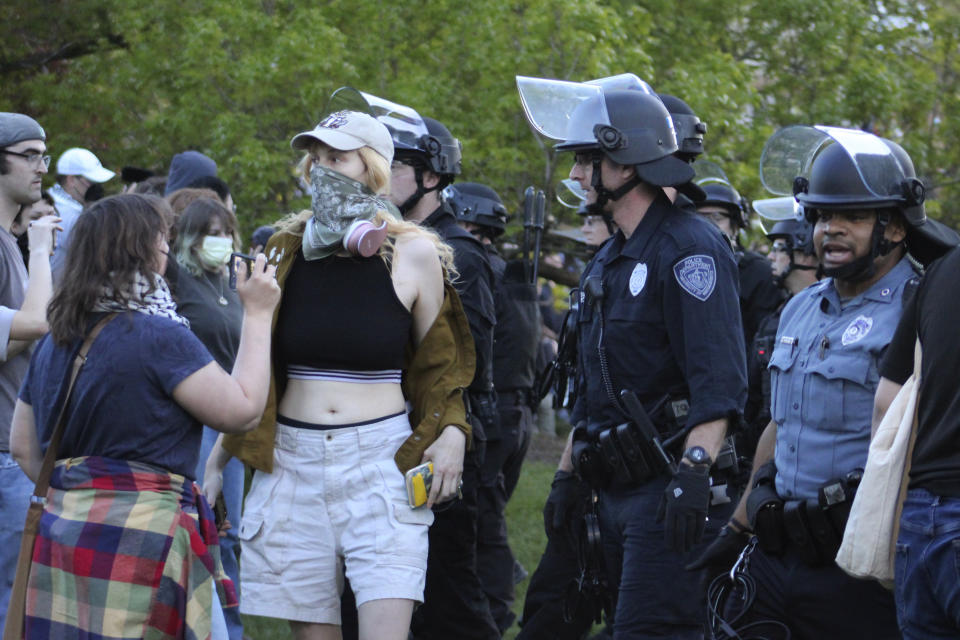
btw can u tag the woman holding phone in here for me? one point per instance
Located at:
(368, 323)
(126, 546)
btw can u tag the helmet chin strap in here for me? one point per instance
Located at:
(605, 195)
(864, 268)
(416, 196)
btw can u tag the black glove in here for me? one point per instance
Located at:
(684, 507)
(561, 503)
(722, 553)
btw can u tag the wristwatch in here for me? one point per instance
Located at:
(698, 455)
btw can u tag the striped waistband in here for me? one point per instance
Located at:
(300, 372)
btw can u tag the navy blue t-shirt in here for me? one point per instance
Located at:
(122, 405)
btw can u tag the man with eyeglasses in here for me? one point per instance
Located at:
(79, 176)
(22, 313)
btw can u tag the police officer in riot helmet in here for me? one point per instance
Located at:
(659, 366)
(759, 294)
(792, 255)
(865, 206)
(516, 336)
(424, 164)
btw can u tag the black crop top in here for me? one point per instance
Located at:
(341, 313)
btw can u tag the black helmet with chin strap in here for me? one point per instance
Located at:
(437, 151)
(719, 193)
(478, 204)
(639, 133)
(844, 169)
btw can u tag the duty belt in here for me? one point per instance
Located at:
(813, 527)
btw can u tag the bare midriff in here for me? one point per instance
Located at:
(332, 403)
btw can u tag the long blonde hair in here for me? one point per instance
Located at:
(377, 179)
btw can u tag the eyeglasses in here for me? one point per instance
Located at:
(33, 158)
(779, 247)
(592, 220)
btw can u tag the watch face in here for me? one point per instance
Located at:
(697, 455)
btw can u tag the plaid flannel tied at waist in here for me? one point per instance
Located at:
(125, 550)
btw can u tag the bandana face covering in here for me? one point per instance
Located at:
(338, 202)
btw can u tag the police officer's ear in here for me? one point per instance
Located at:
(430, 179)
(896, 230)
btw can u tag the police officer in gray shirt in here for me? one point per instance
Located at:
(861, 194)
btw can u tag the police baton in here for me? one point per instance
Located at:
(539, 207)
(528, 215)
(640, 418)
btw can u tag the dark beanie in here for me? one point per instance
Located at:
(187, 167)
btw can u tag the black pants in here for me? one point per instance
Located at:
(454, 603)
(501, 470)
(818, 603)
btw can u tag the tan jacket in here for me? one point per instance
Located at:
(438, 371)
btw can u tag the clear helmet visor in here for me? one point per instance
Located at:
(405, 124)
(708, 172)
(560, 110)
(777, 209)
(791, 151)
(570, 194)
(623, 82)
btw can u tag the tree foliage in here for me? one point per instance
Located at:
(137, 83)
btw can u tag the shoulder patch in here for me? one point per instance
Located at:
(697, 275)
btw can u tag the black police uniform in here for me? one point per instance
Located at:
(670, 300)
(757, 414)
(455, 605)
(515, 347)
(759, 294)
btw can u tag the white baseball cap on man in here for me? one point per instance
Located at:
(349, 130)
(81, 162)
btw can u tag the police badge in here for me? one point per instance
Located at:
(857, 330)
(697, 275)
(638, 278)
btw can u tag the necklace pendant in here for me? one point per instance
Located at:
(223, 301)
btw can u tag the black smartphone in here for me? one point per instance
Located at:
(235, 259)
(220, 510)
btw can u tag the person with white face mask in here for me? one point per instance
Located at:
(206, 236)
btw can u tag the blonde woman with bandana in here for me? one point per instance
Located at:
(372, 352)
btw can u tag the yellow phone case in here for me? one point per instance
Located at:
(418, 481)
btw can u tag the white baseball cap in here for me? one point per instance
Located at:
(349, 130)
(81, 162)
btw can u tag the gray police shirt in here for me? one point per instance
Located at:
(13, 287)
(823, 375)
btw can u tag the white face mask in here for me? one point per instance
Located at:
(215, 250)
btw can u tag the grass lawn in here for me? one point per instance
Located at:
(524, 523)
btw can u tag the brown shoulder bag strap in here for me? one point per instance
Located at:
(13, 626)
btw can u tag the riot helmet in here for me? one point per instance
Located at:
(722, 194)
(717, 191)
(798, 235)
(478, 204)
(629, 127)
(688, 126)
(837, 169)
